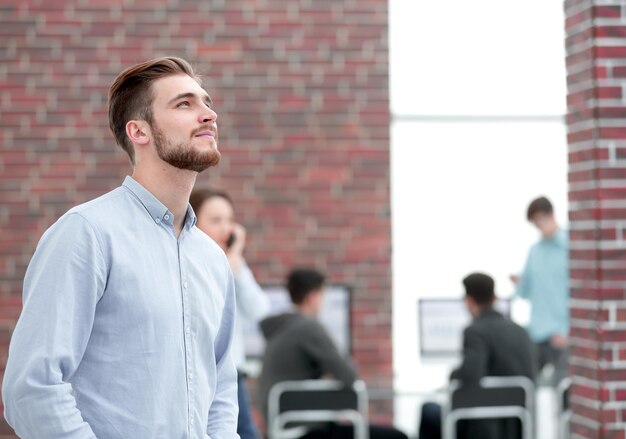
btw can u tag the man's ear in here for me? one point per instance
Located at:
(138, 131)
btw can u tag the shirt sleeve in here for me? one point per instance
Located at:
(222, 418)
(63, 283)
(252, 302)
(324, 351)
(524, 284)
(475, 357)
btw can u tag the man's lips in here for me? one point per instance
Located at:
(205, 134)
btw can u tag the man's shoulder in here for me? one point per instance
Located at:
(110, 203)
(491, 320)
(312, 324)
(302, 328)
(91, 214)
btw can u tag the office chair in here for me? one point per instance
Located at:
(293, 406)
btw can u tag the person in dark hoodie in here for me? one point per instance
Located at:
(492, 346)
(299, 348)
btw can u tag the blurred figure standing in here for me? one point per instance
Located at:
(545, 284)
(215, 213)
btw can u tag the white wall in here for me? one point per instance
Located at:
(478, 98)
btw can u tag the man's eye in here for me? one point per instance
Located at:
(183, 104)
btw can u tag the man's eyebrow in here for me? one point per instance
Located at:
(205, 97)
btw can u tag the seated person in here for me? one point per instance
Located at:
(492, 346)
(299, 348)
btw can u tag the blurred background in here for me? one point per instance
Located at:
(393, 144)
(478, 104)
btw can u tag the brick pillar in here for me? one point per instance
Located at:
(301, 88)
(596, 69)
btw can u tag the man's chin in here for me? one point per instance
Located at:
(201, 166)
(197, 165)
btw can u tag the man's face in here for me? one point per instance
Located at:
(184, 126)
(545, 223)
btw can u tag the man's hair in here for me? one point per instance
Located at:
(480, 287)
(302, 281)
(539, 205)
(200, 195)
(131, 95)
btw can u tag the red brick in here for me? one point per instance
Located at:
(607, 259)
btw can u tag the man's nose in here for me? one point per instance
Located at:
(208, 116)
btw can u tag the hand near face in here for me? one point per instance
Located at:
(239, 242)
(235, 251)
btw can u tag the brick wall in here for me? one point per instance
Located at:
(596, 68)
(301, 88)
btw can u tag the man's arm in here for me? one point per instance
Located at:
(321, 347)
(65, 279)
(222, 419)
(475, 357)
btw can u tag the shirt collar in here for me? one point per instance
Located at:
(157, 210)
(190, 217)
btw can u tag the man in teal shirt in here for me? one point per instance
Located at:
(545, 284)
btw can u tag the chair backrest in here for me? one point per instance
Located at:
(564, 412)
(294, 404)
(494, 397)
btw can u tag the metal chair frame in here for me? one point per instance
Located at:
(524, 413)
(278, 419)
(564, 413)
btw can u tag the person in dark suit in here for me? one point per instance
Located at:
(492, 346)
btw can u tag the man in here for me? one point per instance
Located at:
(128, 308)
(545, 284)
(492, 346)
(299, 348)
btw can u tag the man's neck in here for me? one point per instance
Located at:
(171, 186)
(483, 310)
(306, 311)
(552, 232)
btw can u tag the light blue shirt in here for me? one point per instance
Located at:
(125, 330)
(545, 283)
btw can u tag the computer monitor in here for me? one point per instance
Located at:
(334, 316)
(442, 321)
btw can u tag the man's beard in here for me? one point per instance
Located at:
(182, 155)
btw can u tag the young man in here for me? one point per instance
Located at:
(128, 307)
(545, 283)
(299, 348)
(492, 346)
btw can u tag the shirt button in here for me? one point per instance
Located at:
(191, 376)
(157, 220)
(166, 217)
(185, 284)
